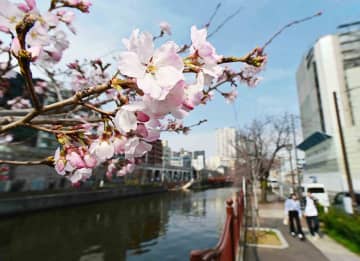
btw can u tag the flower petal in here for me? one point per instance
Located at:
(130, 65)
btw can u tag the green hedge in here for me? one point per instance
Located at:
(343, 228)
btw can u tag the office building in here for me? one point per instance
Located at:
(331, 65)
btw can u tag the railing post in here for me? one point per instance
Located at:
(196, 255)
(230, 215)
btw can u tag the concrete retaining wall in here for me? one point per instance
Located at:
(39, 202)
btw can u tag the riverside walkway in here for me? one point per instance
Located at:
(271, 216)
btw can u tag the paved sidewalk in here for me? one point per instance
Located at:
(297, 251)
(271, 215)
(332, 250)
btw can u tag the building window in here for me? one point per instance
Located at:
(317, 87)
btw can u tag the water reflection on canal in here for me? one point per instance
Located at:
(158, 227)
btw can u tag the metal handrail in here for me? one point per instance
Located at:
(227, 246)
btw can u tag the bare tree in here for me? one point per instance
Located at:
(259, 145)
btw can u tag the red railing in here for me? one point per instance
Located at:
(228, 245)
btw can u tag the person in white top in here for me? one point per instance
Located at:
(311, 214)
(293, 211)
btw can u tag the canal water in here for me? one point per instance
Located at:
(164, 226)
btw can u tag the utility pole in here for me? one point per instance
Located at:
(296, 156)
(289, 148)
(344, 154)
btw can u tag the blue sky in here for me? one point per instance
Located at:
(101, 31)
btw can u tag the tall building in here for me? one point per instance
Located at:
(155, 155)
(331, 65)
(198, 161)
(166, 153)
(226, 142)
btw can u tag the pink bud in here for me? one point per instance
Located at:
(15, 46)
(142, 117)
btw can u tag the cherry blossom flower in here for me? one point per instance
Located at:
(102, 149)
(19, 103)
(194, 93)
(128, 168)
(29, 6)
(230, 97)
(136, 148)
(157, 71)
(80, 174)
(34, 51)
(38, 35)
(60, 161)
(165, 27)
(6, 138)
(125, 121)
(171, 104)
(82, 5)
(119, 144)
(10, 16)
(205, 53)
(90, 160)
(75, 159)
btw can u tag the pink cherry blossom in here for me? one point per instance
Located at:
(6, 138)
(90, 160)
(142, 117)
(206, 54)
(75, 159)
(141, 131)
(230, 96)
(171, 103)
(30, 5)
(194, 93)
(121, 172)
(82, 5)
(80, 174)
(10, 15)
(136, 148)
(66, 16)
(119, 144)
(125, 121)
(202, 47)
(34, 51)
(157, 71)
(60, 162)
(102, 149)
(19, 103)
(165, 27)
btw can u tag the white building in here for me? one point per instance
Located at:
(198, 161)
(226, 142)
(166, 151)
(213, 162)
(331, 65)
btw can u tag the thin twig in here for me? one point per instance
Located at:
(47, 161)
(92, 107)
(290, 25)
(41, 128)
(207, 25)
(226, 20)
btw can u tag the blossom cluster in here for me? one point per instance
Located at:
(45, 41)
(153, 88)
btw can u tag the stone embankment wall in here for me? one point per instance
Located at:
(11, 206)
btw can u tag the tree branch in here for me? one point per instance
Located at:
(48, 161)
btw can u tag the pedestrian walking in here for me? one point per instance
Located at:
(311, 214)
(293, 211)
